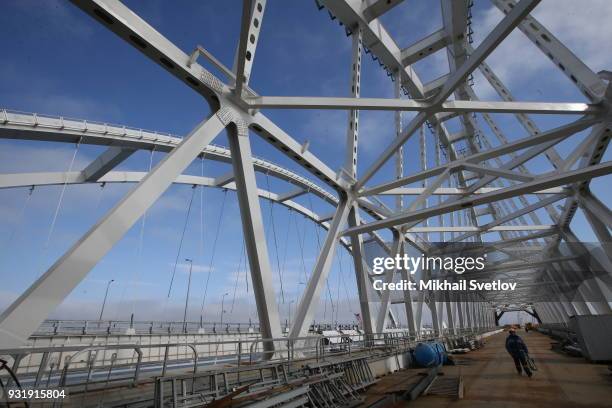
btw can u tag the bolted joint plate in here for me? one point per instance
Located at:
(229, 115)
(211, 81)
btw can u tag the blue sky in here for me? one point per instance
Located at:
(59, 61)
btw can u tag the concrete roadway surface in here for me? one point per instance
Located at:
(490, 379)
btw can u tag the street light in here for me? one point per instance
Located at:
(222, 311)
(105, 296)
(187, 298)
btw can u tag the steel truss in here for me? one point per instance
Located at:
(490, 179)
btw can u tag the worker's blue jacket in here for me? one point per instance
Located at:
(514, 345)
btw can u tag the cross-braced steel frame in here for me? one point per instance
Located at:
(488, 179)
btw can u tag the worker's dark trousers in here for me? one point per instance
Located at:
(520, 360)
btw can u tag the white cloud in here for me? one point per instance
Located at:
(47, 95)
(582, 26)
(57, 15)
(20, 157)
(197, 268)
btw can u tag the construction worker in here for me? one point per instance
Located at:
(517, 348)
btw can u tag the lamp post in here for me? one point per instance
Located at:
(187, 298)
(105, 296)
(222, 311)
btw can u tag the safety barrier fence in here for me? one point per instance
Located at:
(101, 366)
(97, 327)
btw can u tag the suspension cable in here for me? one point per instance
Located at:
(143, 223)
(319, 252)
(238, 273)
(301, 245)
(278, 268)
(287, 241)
(61, 197)
(178, 253)
(316, 225)
(346, 288)
(201, 238)
(214, 248)
(338, 284)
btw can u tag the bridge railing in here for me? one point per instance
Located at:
(82, 368)
(98, 327)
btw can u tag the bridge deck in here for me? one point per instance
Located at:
(490, 379)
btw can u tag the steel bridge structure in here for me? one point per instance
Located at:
(488, 179)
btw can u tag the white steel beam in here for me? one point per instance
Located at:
(399, 155)
(520, 212)
(224, 179)
(252, 16)
(15, 180)
(552, 136)
(424, 47)
(377, 39)
(554, 180)
(125, 23)
(311, 295)
(449, 313)
(292, 194)
(383, 310)
(423, 159)
(435, 315)
(486, 47)
(28, 311)
(595, 207)
(352, 132)
(589, 144)
(421, 199)
(293, 149)
(22, 126)
(107, 161)
(389, 104)
(535, 235)
(527, 123)
(507, 174)
(432, 87)
(459, 191)
(577, 71)
(493, 39)
(407, 300)
(361, 274)
(460, 311)
(484, 228)
(376, 8)
(327, 217)
(599, 228)
(254, 235)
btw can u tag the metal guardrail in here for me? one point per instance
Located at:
(101, 327)
(83, 368)
(131, 327)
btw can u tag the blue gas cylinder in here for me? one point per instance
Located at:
(430, 354)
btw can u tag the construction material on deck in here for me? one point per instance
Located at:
(325, 384)
(420, 387)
